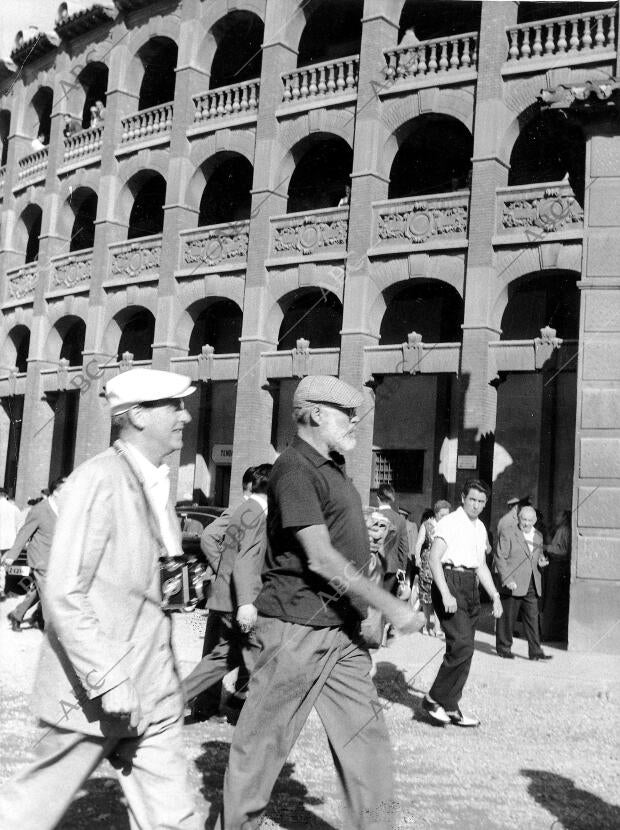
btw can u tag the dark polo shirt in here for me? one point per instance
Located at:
(305, 488)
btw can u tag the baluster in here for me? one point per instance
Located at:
(221, 109)
(404, 64)
(303, 90)
(124, 134)
(350, 79)
(169, 114)
(322, 87)
(253, 102)
(454, 57)
(549, 42)
(235, 104)
(599, 37)
(537, 46)
(562, 44)
(432, 61)
(287, 94)
(574, 37)
(296, 86)
(212, 105)
(586, 40)
(526, 50)
(422, 60)
(513, 51)
(390, 69)
(312, 86)
(340, 82)
(443, 58)
(465, 58)
(243, 104)
(152, 122)
(331, 79)
(198, 109)
(611, 34)
(228, 101)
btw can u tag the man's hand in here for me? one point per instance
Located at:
(497, 606)
(543, 561)
(449, 603)
(246, 617)
(512, 586)
(406, 620)
(122, 702)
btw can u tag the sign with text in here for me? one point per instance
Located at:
(467, 462)
(222, 453)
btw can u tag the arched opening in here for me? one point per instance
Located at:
(238, 56)
(138, 333)
(431, 308)
(430, 19)
(539, 300)
(159, 59)
(72, 331)
(548, 149)
(333, 30)
(42, 106)
(5, 128)
(217, 325)
(94, 81)
(314, 314)
(227, 194)
(147, 213)
(322, 174)
(84, 204)
(434, 156)
(31, 218)
(20, 340)
(65, 403)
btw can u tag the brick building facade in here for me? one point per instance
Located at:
(370, 188)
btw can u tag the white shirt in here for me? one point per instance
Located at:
(529, 538)
(156, 482)
(10, 522)
(466, 541)
(261, 498)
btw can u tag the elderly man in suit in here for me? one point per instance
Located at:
(518, 559)
(237, 585)
(107, 684)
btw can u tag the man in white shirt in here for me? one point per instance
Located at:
(458, 565)
(107, 684)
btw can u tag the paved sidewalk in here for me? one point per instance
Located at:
(546, 755)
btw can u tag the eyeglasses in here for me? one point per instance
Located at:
(350, 412)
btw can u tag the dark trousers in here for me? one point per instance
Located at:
(232, 649)
(31, 597)
(459, 628)
(299, 668)
(528, 605)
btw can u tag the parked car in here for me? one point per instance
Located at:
(18, 575)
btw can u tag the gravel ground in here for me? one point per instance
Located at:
(546, 755)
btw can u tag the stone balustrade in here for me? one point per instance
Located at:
(429, 57)
(148, 123)
(136, 259)
(2, 177)
(416, 220)
(537, 210)
(313, 232)
(227, 101)
(71, 270)
(566, 35)
(321, 80)
(21, 282)
(33, 165)
(215, 245)
(85, 143)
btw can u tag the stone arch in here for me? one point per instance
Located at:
(38, 112)
(74, 206)
(322, 174)
(16, 346)
(431, 307)
(162, 28)
(65, 339)
(28, 231)
(540, 299)
(284, 304)
(431, 20)
(212, 13)
(130, 185)
(208, 156)
(216, 321)
(298, 130)
(331, 31)
(118, 308)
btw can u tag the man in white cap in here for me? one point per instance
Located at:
(314, 596)
(107, 684)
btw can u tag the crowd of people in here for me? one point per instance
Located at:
(304, 577)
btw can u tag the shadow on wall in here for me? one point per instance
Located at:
(576, 809)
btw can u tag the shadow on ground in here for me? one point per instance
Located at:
(575, 809)
(289, 798)
(99, 806)
(392, 685)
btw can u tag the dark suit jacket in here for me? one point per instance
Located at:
(37, 532)
(396, 546)
(515, 562)
(238, 580)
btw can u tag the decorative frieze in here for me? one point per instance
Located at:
(137, 259)
(216, 244)
(418, 220)
(542, 210)
(314, 232)
(71, 270)
(22, 282)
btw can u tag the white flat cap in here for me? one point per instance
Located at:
(326, 389)
(142, 385)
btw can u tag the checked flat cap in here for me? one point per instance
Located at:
(326, 389)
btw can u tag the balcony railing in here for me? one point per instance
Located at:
(429, 57)
(321, 80)
(33, 165)
(2, 177)
(85, 143)
(226, 101)
(147, 123)
(21, 282)
(71, 270)
(416, 220)
(314, 232)
(215, 245)
(136, 258)
(538, 210)
(567, 35)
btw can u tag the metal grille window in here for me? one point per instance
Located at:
(403, 469)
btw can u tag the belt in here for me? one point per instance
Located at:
(449, 566)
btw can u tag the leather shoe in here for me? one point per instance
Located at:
(436, 712)
(459, 719)
(507, 655)
(15, 623)
(541, 656)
